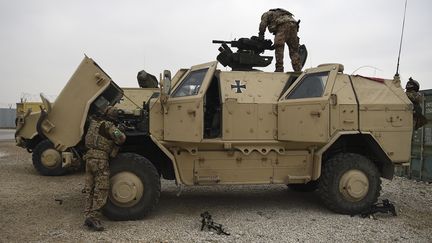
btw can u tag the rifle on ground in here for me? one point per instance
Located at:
(207, 222)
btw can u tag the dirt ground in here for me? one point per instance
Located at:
(29, 212)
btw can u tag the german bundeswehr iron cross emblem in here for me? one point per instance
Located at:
(238, 86)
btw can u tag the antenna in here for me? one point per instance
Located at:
(400, 45)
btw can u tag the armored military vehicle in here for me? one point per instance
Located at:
(318, 129)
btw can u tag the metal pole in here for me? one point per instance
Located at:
(400, 44)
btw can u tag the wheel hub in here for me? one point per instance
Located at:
(354, 185)
(50, 158)
(126, 189)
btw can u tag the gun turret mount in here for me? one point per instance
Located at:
(248, 53)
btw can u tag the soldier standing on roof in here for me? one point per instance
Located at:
(412, 91)
(281, 23)
(102, 141)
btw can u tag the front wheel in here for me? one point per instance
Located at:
(349, 184)
(134, 188)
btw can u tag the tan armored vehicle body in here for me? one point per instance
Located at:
(319, 129)
(279, 137)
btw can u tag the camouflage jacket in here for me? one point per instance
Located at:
(415, 97)
(101, 138)
(273, 18)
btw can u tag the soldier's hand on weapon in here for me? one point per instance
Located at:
(261, 36)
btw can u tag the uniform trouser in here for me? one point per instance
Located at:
(287, 33)
(96, 186)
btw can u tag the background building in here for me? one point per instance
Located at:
(7, 117)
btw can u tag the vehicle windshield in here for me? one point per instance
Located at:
(310, 86)
(191, 84)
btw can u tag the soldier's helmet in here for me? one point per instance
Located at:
(412, 85)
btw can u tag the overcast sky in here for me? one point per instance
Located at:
(42, 42)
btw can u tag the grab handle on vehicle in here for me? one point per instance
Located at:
(191, 112)
(315, 113)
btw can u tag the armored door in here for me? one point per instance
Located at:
(304, 110)
(184, 115)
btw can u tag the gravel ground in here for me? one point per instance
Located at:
(29, 212)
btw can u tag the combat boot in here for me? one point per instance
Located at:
(94, 224)
(279, 66)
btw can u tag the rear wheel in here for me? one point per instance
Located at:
(47, 160)
(350, 183)
(134, 187)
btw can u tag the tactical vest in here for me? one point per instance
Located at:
(95, 141)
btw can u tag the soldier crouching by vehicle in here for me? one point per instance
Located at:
(412, 91)
(102, 140)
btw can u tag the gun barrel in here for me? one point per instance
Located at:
(221, 42)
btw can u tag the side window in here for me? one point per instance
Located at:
(191, 84)
(310, 86)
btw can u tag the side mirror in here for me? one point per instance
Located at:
(166, 82)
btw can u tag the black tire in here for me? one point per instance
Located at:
(308, 187)
(332, 189)
(43, 147)
(139, 168)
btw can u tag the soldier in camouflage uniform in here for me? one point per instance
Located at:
(281, 23)
(101, 140)
(412, 87)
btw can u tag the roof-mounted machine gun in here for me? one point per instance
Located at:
(247, 55)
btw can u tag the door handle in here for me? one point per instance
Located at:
(315, 113)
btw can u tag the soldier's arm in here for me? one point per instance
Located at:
(410, 96)
(263, 25)
(415, 97)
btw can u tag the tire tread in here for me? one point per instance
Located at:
(330, 194)
(37, 163)
(142, 167)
